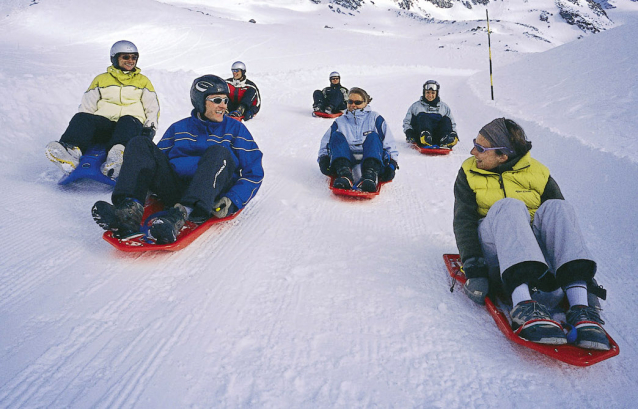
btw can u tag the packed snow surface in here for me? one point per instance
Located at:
(306, 300)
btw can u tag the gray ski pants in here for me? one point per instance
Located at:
(554, 238)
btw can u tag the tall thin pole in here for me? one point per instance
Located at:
(489, 46)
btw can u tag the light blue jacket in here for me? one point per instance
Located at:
(421, 106)
(355, 126)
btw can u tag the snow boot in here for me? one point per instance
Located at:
(123, 220)
(449, 140)
(165, 228)
(113, 163)
(328, 110)
(64, 155)
(344, 179)
(316, 108)
(533, 322)
(369, 175)
(425, 138)
(476, 289)
(588, 325)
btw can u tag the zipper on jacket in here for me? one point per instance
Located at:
(500, 181)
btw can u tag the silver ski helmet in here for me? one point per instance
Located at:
(204, 86)
(122, 47)
(334, 74)
(433, 85)
(238, 65)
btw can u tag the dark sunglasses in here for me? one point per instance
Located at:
(481, 148)
(235, 70)
(127, 57)
(351, 101)
(334, 78)
(218, 100)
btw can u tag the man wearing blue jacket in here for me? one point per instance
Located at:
(204, 165)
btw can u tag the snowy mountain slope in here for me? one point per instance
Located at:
(304, 300)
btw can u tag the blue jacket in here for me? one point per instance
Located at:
(355, 126)
(186, 140)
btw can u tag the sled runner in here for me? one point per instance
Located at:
(566, 353)
(432, 150)
(355, 192)
(89, 168)
(142, 242)
(325, 115)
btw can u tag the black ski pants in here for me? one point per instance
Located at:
(145, 168)
(439, 126)
(86, 130)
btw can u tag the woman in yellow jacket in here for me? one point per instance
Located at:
(119, 105)
(513, 227)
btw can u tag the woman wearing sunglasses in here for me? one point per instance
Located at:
(429, 121)
(119, 105)
(359, 136)
(205, 165)
(515, 232)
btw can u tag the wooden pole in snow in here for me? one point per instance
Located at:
(489, 46)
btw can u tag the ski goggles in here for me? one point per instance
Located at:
(432, 86)
(481, 148)
(218, 100)
(357, 103)
(235, 70)
(127, 57)
(334, 78)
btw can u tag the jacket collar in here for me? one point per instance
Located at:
(123, 76)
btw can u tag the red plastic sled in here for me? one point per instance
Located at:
(325, 115)
(569, 354)
(186, 236)
(433, 150)
(354, 192)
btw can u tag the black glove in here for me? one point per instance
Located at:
(238, 112)
(324, 165)
(410, 135)
(148, 131)
(475, 267)
(388, 171)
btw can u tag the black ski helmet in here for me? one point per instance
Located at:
(122, 47)
(204, 86)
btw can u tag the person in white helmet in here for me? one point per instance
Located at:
(245, 100)
(332, 98)
(118, 105)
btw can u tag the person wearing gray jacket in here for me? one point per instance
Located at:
(429, 121)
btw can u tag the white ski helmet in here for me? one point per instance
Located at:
(122, 47)
(431, 84)
(238, 65)
(334, 74)
(204, 86)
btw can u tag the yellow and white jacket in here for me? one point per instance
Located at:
(116, 93)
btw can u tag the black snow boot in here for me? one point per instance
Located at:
(344, 179)
(123, 220)
(165, 228)
(369, 175)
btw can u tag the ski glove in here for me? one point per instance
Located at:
(388, 171)
(223, 207)
(475, 267)
(324, 165)
(238, 112)
(410, 135)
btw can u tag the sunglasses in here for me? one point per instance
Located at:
(334, 78)
(127, 57)
(481, 148)
(235, 70)
(351, 101)
(218, 100)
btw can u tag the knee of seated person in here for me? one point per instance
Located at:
(509, 203)
(555, 205)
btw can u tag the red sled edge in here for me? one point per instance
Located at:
(569, 354)
(186, 236)
(319, 114)
(434, 151)
(354, 192)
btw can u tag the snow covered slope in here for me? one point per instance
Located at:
(305, 300)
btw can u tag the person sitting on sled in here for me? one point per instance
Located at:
(429, 121)
(245, 100)
(361, 135)
(331, 99)
(206, 164)
(513, 226)
(119, 105)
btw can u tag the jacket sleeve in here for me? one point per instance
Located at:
(90, 98)
(168, 140)
(251, 172)
(323, 145)
(388, 140)
(449, 114)
(552, 191)
(151, 105)
(466, 219)
(407, 121)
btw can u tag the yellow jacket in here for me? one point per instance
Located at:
(116, 93)
(526, 181)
